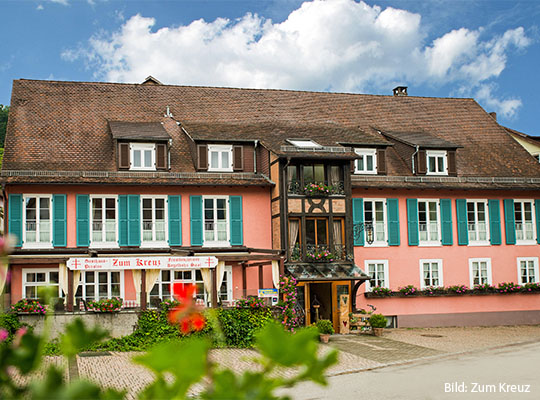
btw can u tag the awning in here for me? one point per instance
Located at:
(325, 271)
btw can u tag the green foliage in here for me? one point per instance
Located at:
(239, 325)
(4, 111)
(289, 317)
(106, 305)
(29, 306)
(378, 321)
(77, 337)
(325, 327)
(408, 290)
(10, 323)
(381, 291)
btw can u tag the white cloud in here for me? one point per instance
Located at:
(507, 108)
(339, 45)
(63, 2)
(40, 7)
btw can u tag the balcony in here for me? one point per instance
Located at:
(316, 189)
(318, 253)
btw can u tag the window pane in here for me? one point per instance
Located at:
(319, 173)
(361, 163)
(102, 277)
(322, 237)
(431, 164)
(214, 159)
(369, 162)
(148, 158)
(225, 163)
(40, 277)
(30, 292)
(440, 164)
(308, 173)
(310, 231)
(115, 277)
(53, 277)
(30, 277)
(137, 158)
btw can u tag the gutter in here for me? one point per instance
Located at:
(412, 159)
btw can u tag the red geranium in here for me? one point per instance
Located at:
(187, 314)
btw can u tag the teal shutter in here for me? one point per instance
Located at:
(83, 220)
(446, 222)
(15, 204)
(123, 237)
(59, 220)
(392, 209)
(358, 218)
(175, 221)
(134, 220)
(537, 208)
(412, 222)
(462, 230)
(494, 222)
(509, 221)
(196, 220)
(235, 212)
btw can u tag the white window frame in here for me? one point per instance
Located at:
(47, 281)
(437, 154)
(104, 244)
(363, 153)
(533, 222)
(142, 147)
(431, 261)
(304, 143)
(535, 266)
(82, 284)
(385, 271)
(477, 242)
(217, 243)
(384, 241)
(488, 271)
(220, 149)
(153, 242)
(37, 244)
(429, 242)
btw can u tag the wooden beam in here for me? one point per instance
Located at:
(70, 293)
(281, 266)
(244, 280)
(261, 280)
(258, 264)
(248, 257)
(143, 289)
(37, 260)
(214, 289)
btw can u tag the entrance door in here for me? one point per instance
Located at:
(326, 295)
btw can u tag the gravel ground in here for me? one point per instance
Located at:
(458, 339)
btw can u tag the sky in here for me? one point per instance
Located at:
(485, 49)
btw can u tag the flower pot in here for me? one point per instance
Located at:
(377, 331)
(324, 338)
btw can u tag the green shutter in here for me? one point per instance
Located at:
(196, 220)
(462, 230)
(509, 221)
(134, 220)
(446, 222)
(412, 222)
(175, 221)
(494, 222)
(123, 220)
(15, 204)
(392, 209)
(59, 220)
(235, 212)
(537, 208)
(358, 218)
(83, 220)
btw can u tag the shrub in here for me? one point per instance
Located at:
(250, 302)
(29, 306)
(10, 324)
(239, 325)
(106, 305)
(408, 290)
(377, 321)
(325, 327)
(381, 291)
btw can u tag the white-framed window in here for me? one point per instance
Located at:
(378, 274)
(34, 278)
(480, 271)
(429, 227)
(154, 221)
(304, 143)
(142, 156)
(37, 221)
(104, 221)
(527, 270)
(375, 213)
(216, 221)
(524, 220)
(437, 162)
(477, 221)
(162, 289)
(97, 285)
(367, 161)
(220, 158)
(431, 273)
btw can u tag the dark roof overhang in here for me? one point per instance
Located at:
(138, 130)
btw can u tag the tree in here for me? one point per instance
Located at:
(4, 111)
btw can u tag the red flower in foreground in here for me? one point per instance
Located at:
(186, 314)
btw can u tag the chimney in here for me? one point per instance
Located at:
(400, 91)
(493, 115)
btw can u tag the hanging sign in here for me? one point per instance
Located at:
(268, 292)
(120, 263)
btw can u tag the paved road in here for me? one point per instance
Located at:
(484, 374)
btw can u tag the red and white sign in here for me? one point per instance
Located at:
(118, 263)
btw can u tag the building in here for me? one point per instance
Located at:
(119, 189)
(529, 143)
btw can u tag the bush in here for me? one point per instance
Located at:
(377, 321)
(10, 323)
(325, 327)
(239, 325)
(29, 306)
(106, 305)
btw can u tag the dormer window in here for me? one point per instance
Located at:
(366, 163)
(304, 144)
(437, 163)
(220, 158)
(142, 156)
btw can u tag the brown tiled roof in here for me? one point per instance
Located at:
(63, 126)
(138, 130)
(421, 139)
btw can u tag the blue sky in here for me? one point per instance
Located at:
(485, 49)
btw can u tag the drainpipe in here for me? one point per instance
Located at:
(255, 156)
(5, 208)
(412, 159)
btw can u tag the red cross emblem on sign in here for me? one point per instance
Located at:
(209, 262)
(76, 263)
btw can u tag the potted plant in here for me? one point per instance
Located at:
(378, 323)
(325, 328)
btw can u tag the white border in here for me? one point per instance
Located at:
(42, 284)
(37, 245)
(486, 242)
(471, 276)
(226, 243)
(366, 152)
(525, 242)
(437, 153)
(383, 243)
(535, 260)
(385, 269)
(430, 243)
(220, 148)
(439, 261)
(104, 245)
(142, 147)
(155, 243)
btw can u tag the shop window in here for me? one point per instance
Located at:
(97, 285)
(34, 279)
